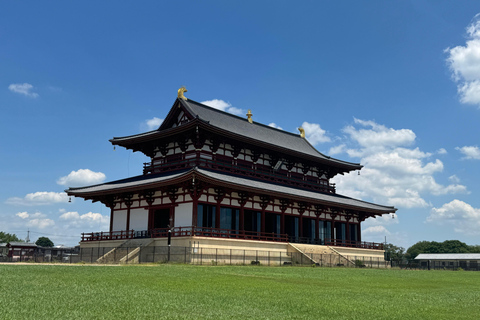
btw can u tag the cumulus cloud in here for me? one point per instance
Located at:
(337, 149)
(441, 151)
(464, 63)
(23, 88)
(395, 173)
(81, 177)
(90, 219)
(153, 124)
(314, 133)
(39, 198)
(274, 125)
(40, 223)
(375, 230)
(224, 106)
(464, 218)
(470, 152)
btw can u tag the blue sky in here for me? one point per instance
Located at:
(394, 85)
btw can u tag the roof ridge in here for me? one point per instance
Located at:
(244, 119)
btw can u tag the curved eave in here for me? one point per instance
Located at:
(134, 142)
(287, 192)
(346, 166)
(136, 184)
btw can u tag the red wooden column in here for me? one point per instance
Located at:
(318, 211)
(220, 194)
(173, 196)
(264, 201)
(127, 199)
(302, 206)
(317, 225)
(361, 217)
(333, 215)
(283, 207)
(243, 198)
(347, 227)
(300, 224)
(111, 219)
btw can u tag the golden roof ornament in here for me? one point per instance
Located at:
(302, 132)
(181, 91)
(249, 116)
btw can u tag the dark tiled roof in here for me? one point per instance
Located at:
(252, 131)
(123, 184)
(256, 131)
(22, 244)
(283, 191)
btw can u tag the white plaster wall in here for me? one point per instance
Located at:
(138, 219)
(183, 215)
(119, 220)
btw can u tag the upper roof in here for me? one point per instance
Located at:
(448, 256)
(239, 127)
(151, 181)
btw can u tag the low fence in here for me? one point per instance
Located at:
(201, 256)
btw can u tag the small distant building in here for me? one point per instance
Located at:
(466, 261)
(3, 251)
(21, 251)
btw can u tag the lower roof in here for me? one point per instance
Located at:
(151, 181)
(448, 256)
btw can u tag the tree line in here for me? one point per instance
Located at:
(395, 253)
(9, 237)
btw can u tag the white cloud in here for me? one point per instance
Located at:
(40, 223)
(375, 230)
(39, 198)
(441, 151)
(274, 125)
(454, 179)
(153, 124)
(23, 215)
(376, 135)
(337, 149)
(23, 88)
(314, 133)
(462, 216)
(224, 106)
(394, 174)
(90, 219)
(470, 152)
(81, 177)
(464, 63)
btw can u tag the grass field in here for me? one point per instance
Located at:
(234, 292)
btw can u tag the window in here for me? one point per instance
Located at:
(206, 216)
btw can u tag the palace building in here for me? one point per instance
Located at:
(219, 180)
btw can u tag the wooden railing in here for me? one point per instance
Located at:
(112, 235)
(224, 234)
(354, 244)
(218, 233)
(279, 177)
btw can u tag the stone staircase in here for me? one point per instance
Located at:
(318, 254)
(127, 252)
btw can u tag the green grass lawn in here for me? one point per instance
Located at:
(234, 292)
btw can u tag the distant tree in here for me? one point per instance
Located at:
(394, 253)
(448, 246)
(474, 249)
(44, 242)
(7, 237)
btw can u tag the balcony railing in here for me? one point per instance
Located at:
(224, 234)
(257, 171)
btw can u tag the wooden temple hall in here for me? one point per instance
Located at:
(216, 179)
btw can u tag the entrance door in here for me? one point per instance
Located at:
(161, 218)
